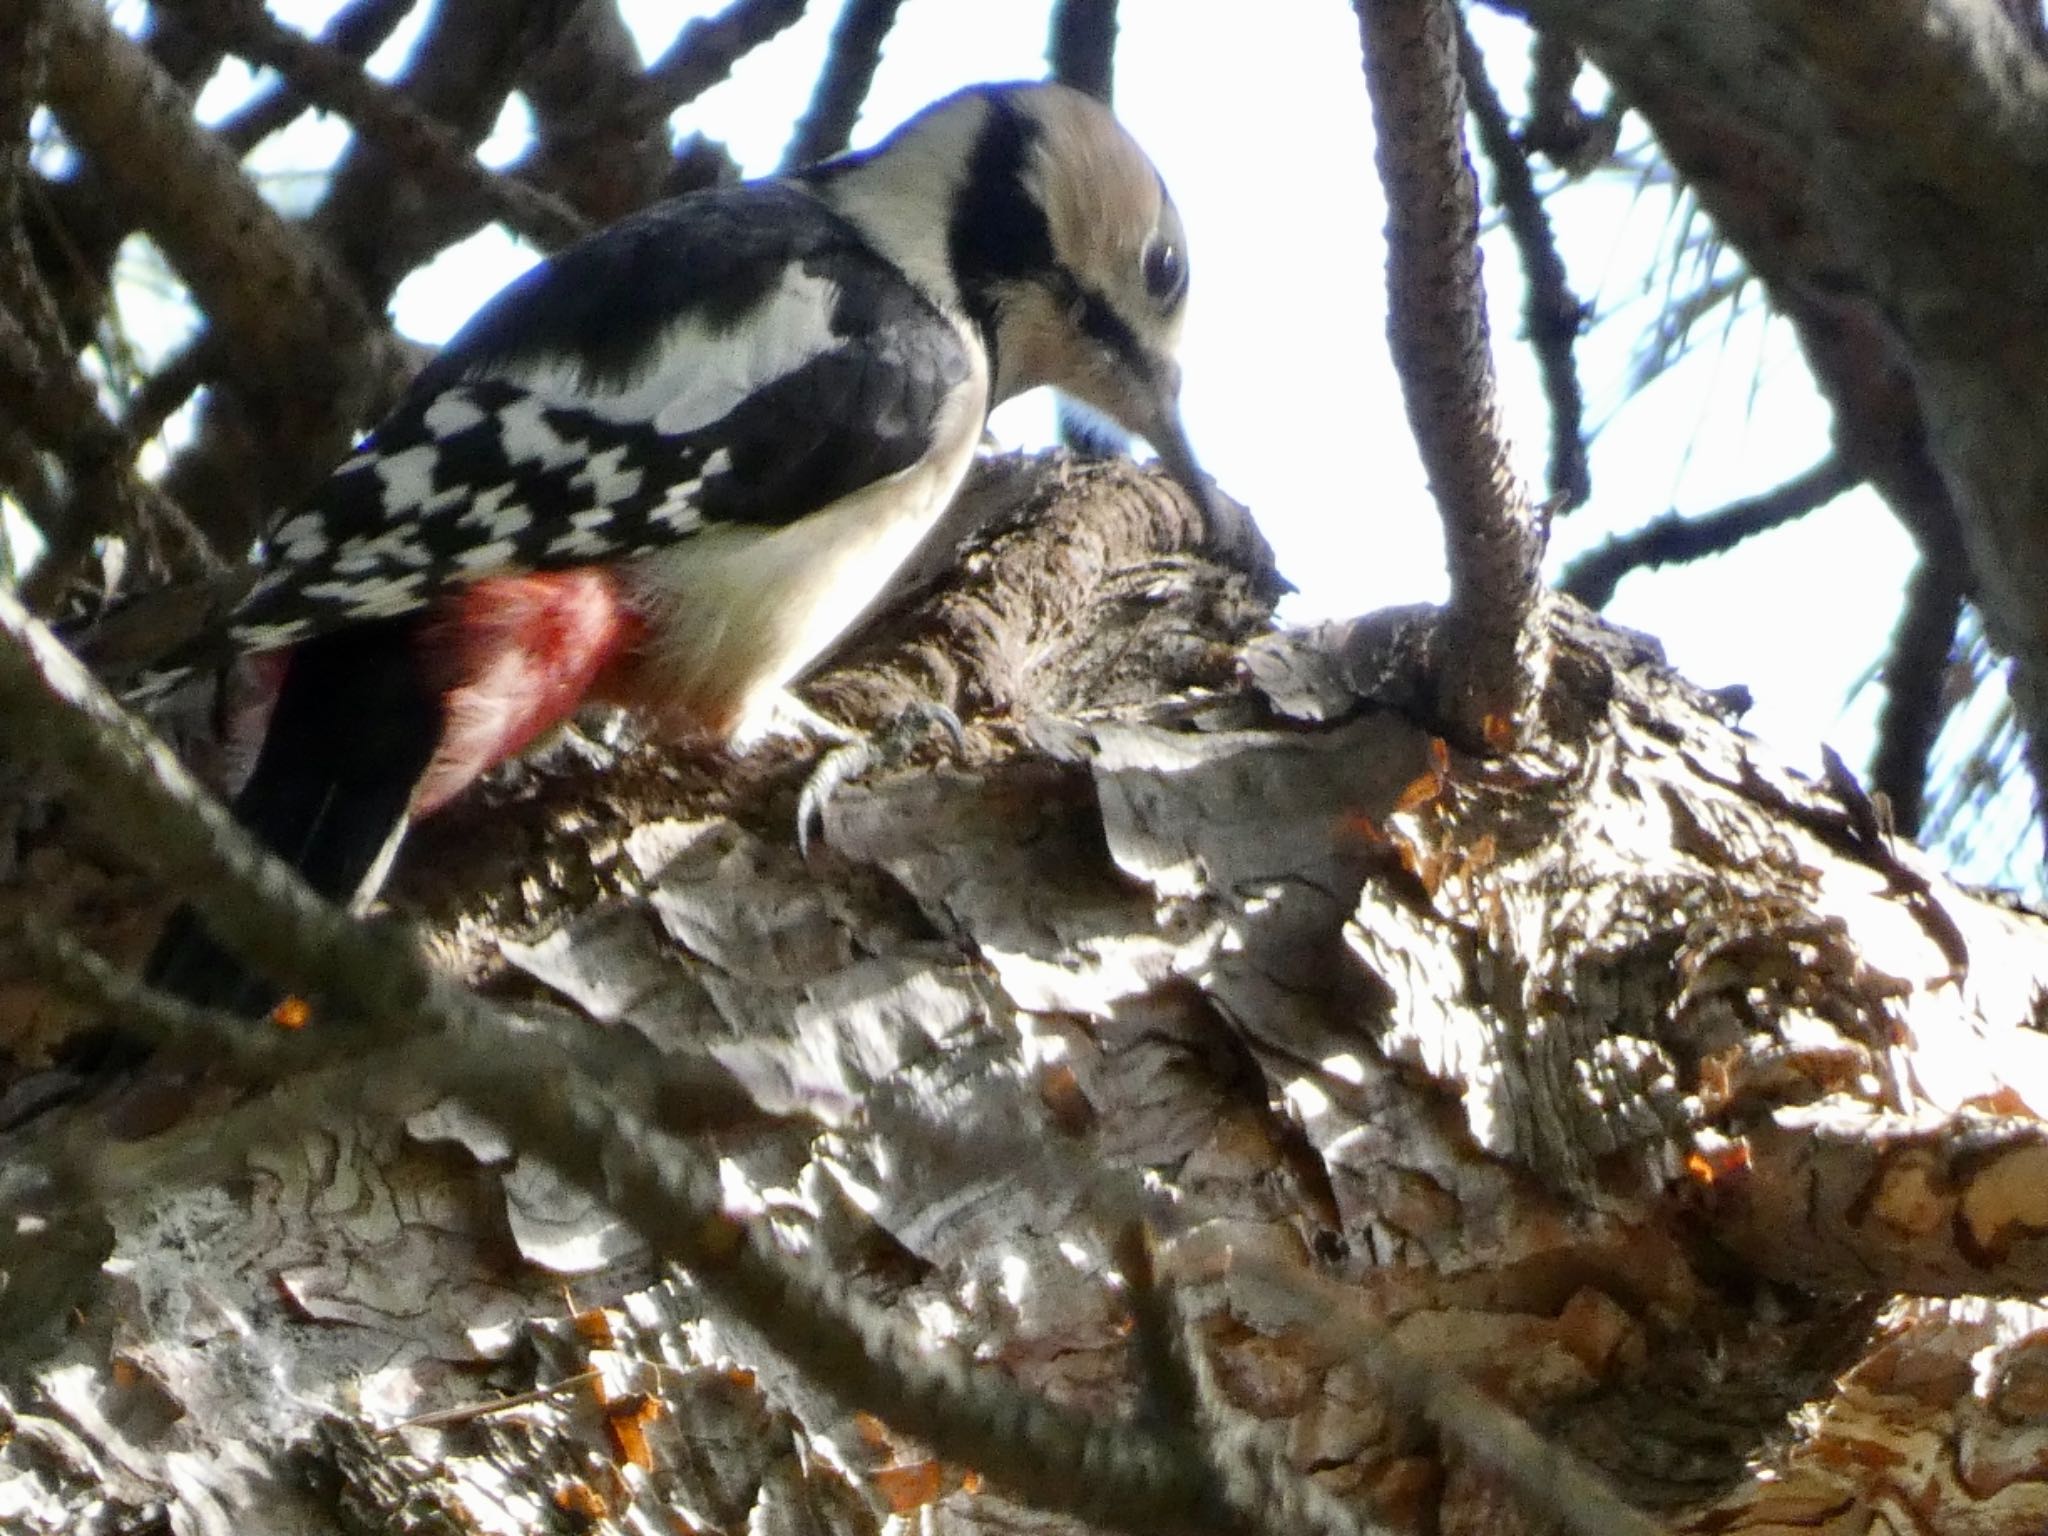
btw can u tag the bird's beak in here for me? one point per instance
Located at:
(1230, 535)
(1161, 427)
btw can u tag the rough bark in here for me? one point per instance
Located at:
(1638, 1079)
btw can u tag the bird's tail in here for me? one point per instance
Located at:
(354, 726)
(353, 729)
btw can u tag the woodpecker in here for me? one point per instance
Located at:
(671, 464)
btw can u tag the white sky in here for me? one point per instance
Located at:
(1263, 133)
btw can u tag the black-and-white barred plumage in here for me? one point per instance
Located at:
(741, 356)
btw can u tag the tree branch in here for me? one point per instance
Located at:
(22, 67)
(105, 492)
(354, 32)
(160, 396)
(381, 216)
(606, 162)
(1555, 124)
(1551, 313)
(1436, 325)
(1844, 1196)
(253, 901)
(706, 50)
(1673, 539)
(1916, 686)
(1082, 46)
(43, 389)
(425, 147)
(843, 83)
(282, 309)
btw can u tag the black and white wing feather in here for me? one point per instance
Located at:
(738, 356)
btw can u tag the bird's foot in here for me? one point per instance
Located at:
(855, 756)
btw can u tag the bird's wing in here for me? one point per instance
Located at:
(736, 356)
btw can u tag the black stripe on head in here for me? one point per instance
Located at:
(998, 232)
(1100, 322)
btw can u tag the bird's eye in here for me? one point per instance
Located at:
(1166, 273)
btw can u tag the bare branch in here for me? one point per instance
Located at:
(1551, 313)
(843, 84)
(137, 788)
(606, 162)
(163, 1021)
(43, 388)
(424, 146)
(160, 396)
(41, 384)
(1742, 92)
(1673, 539)
(1082, 46)
(705, 51)
(385, 213)
(279, 304)
(1916, 687)
(355, 32)
(1436, 326)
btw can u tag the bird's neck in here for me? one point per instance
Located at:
(900, 195)
(945, 201)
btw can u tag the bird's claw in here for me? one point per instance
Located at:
(883, 749)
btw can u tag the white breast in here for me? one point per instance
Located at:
(736, 611)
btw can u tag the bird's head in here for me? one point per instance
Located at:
(1072, 250)
(1060, 244)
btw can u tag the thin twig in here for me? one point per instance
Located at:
(1489, 661)
(1917, 693)
(292, 324)
(705, 51)
(1551, 313)
(843, 83)
(153, 1017)
(1673, 539)
(139, 790)
(338, 82)
(355, 32)
(160, 396)
(48, 394)
(1081, 46)
(469, 1413)
(41, 384)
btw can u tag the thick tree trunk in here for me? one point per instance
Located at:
(1635, 1078)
